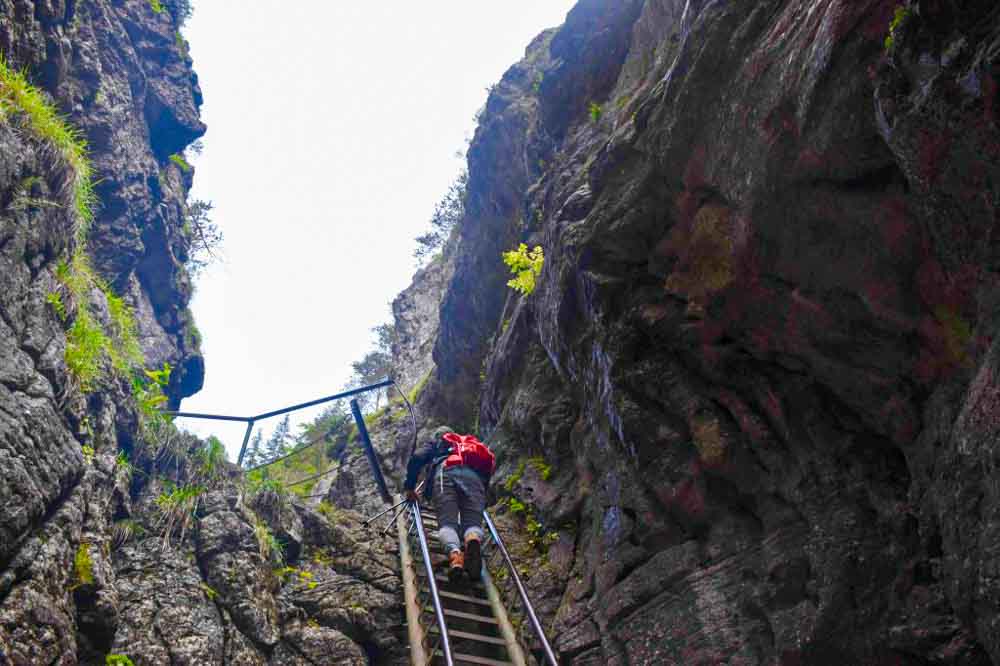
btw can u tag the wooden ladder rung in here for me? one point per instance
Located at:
(454, 633)
(464, 597)
(473, 659)
(442, 578)
(463, 615)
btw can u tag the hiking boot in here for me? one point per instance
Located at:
(473, 557)
(456, 565)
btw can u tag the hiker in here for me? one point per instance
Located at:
(459, 469)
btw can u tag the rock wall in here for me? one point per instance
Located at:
(748, 408)
(168, 557)
(747, 416)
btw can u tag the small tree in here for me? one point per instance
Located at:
(374, 366)
(277, 443)
(204, 236)
(253, 456)
(447, 213)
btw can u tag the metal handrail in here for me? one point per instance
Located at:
(425, 552)
(529, 609)
(251, 420)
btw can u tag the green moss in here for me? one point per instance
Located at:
(157, 6)
(594, 109)
(88, 454)
(23, 103)
(117, 660)
(83, 565)
(209, 592)
(192, 336)
(182, 44)
(544, 469)
(419, 388)
(515, 477)
(330, 512)
(536, 83)
(900, 15)
(292, 574)
(179, 160)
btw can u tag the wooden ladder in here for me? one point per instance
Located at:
(478, 627)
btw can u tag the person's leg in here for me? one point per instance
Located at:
(446, 504)
(471, 502)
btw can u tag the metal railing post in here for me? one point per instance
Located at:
(528, 608)
(246, 439)
(418, 521)
(370, 452)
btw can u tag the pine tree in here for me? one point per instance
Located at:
(277, 444)
(254, 455)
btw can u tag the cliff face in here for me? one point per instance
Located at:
(119, 535)
(749, 406)
(747, 416)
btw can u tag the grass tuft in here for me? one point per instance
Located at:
(22, 102)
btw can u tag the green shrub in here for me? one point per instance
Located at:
(211, 459)
(265, 490)
(88, 454)
(526, 266)
(156, 6)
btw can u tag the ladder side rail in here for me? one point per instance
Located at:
(514, 649)
(425, 552)
(526, 603)
(418, 654)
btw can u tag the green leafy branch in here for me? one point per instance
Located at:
(526, 265)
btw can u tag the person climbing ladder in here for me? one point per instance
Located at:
(458, 472)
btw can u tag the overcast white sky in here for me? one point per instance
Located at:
(332, 132)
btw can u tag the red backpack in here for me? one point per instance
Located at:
(467, 450)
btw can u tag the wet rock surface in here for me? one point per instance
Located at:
(744, 417)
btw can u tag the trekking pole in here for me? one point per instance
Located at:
(393, 521)
(394, 506)
(378, 515)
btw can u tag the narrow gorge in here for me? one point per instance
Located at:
(747, 415)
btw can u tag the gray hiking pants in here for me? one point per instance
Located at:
(459, 499)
